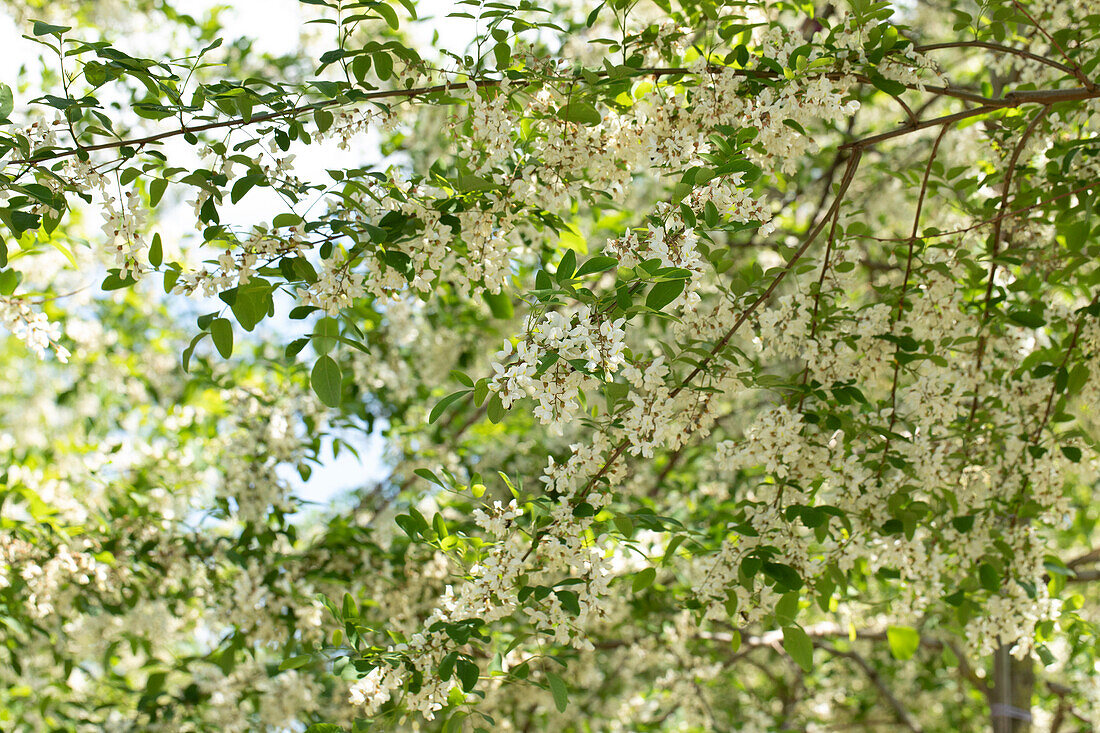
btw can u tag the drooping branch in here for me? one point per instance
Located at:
(1011, 100)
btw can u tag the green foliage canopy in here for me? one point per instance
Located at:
(732, 362)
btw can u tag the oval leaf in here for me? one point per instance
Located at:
(221, 330)
(326, 381)
(444, 403)
(797, 643)
(580, 112)
(903, 641)
(559, 691)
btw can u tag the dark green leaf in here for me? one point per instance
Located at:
(156, 251)
(559, 691)
(889, 86)
(221, 330)
(325, 379)
(388, 13)
(785, 577)
(467, 674)
(596, 264)
(447, 666)
(383, 65)
(41, 28)
(22, 221)
(446, 402)
(495, 409)
(567, 266)
(664, 293)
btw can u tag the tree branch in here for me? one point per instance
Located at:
(876, 679)
(1022, 53)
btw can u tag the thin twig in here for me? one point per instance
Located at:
(1022, 53)
(876, 679)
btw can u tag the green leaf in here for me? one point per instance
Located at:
(447, 666)
(559, 691)
(1027, 318)
(664, 293)
(624, 525)
(221, 330)
(495, 409)
(989, 577)
(295, 347)
(350, 607)
(383, 65)
(388, 13)
(798, 644)
(889, 86)
(325, 379)
(429, 476)
(114, 281)
(596, 264)
(9, 279)
(1078, 376)
(787, 609)
(500, 305)
(241, 187)
(45, 29)
(474, 183)
(785, 577)
(446, 402)
(156, 190)
(7, 101)
(22, 221)
(286, 219)
(467, 673)
(156, 251)
(190, 350)
(324, 728)
(643, 579)
(171, 275)
(580, 112)
(904, 641)
(295, 662)
(794, 126)
(250, 303)
(567, 266)
(503, 55)
(463, 378)
(325, 334)
(963, 523)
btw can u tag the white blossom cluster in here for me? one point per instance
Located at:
(583, 336)
(35, 329)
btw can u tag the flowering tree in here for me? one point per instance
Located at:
(733, 363)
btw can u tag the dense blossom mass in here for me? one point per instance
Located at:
(724, 366)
